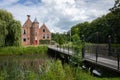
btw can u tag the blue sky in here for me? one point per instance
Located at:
(58, 15)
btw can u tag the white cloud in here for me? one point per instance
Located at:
(8, 2)
(58, 15)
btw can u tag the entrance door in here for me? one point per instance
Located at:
(36, 42)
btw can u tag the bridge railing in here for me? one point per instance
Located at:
(65, 49)
(102, 54)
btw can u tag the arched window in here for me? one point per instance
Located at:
(43, 30)
(24, 39)
(24, 32)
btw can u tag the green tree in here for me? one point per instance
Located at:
(10, 34)
(3, 32)
(61, 40)
(116, 6)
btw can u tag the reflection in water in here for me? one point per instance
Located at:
(20, 67)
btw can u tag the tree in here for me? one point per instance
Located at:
(14, 34)
(59, 38)
(105, 25)
(10, 34)
(3, 32)
(116, 6)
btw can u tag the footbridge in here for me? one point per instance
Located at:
(92, 55)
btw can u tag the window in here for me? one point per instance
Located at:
(24, 39)
(24, 32)
(48, 36)
(43, 30)
(36, 33)
(43, 36)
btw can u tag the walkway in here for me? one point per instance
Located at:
(110, 63)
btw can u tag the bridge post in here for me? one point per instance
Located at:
(118, 59)
(57, 47)
(109, 45)
(60, 47)
(68, 49)
(96, 53)
(97, 38)
(83, 52)
(63, 48)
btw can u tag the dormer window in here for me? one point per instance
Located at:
(43, 30)
(24, 32)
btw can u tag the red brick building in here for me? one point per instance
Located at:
(33, 35)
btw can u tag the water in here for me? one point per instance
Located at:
(21, 67)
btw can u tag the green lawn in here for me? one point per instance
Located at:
(23, 50)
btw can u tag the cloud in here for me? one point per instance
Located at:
(7, 2)
(58, 15)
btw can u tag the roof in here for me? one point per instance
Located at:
(44, 26)
(35, 20)
(28, 22)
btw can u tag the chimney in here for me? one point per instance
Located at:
(28, 16)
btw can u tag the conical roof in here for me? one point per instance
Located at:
(35, 20)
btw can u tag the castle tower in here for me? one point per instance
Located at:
(35, 32)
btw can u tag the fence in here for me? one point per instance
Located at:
(102, 53)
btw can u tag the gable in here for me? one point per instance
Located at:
(43, 27)
(28, 23)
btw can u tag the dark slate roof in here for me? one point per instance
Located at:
(35, 20)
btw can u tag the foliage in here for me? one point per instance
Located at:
(3, 32)
(10, 34)
(116, 45)
(116, 6)
(99, 29)
(54, 71)
(23, 50)
(44, 41)
(59, 38)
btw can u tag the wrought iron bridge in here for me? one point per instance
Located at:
(100, 54)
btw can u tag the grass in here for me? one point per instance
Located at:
(23, 50)
(116, 45)
(50, 70)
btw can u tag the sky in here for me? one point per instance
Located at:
(58, 15)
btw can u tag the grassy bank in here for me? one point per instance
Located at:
(49, 70)
(23, 50)
(34, 67)
(116, 45)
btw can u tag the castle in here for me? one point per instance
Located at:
(33, 35)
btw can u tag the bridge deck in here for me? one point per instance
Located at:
(110, 63)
